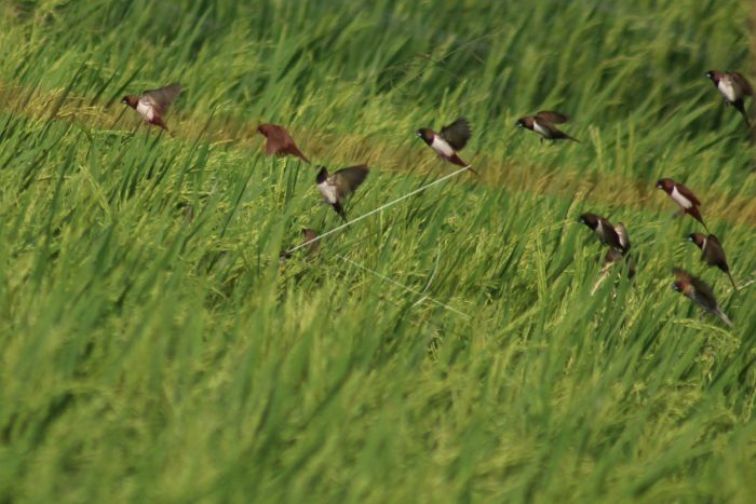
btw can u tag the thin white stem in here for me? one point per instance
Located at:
(380, 208)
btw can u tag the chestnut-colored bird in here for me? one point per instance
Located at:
(279, 142)
(452, 139)
(152, 105)
(683, 196)
(336, 187)
(712, 253)
(309, 241)
(543, 124)
(699, 292)
(734, 88)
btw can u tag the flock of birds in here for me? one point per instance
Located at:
(451, 139)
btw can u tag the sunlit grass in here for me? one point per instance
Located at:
(152, 353)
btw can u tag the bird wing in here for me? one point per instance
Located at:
(687, 193)
(457, 133)
(163, 97)
(714, 249)
(704, 295)
(347, 180)
(624, 238)
(741, 81)
(552, 117)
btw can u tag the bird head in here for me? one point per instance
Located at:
(665, 184)
(697, 238)
(426, 134)
(322, 175)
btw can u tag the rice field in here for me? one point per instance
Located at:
(154, 348)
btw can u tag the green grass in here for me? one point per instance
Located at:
(147, 357)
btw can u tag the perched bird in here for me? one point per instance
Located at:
(153, 104)
(734, 88)
(309, 242)
(449, 141)
(336, 187)
(712, 253)
(683, 197)
(699, 292)
(606, 232)
(543, 124)
(279, 142)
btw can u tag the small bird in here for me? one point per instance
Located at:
(310, 242)
(734, 88)
(606, 232)
(279, 142)
(683, 197)
(543, 124)
(312, 245)
(712, 253)
(336, 187)
(452, 139)
(699, 292)
(153, 104)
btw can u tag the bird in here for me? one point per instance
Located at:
(153, 104)
(683, 196)
(712, 253)
(699, 292)
(336, 187)
(606, 232)
(543, 124)
(279, 142)
(734, 88)
(310, 242)
(452, 139)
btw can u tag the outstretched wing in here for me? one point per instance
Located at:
(743, 83)
(552, 117)
(624, 238)
(457, 133)
(163, 97)
(347, 180)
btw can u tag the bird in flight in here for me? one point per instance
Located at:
(279, 142)
(152, 105)
(544, 123)
(449, 141)
(336, 187)
(734, 88)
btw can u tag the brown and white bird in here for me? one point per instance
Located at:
(699, 292)
(152, 105)
(712, 253)
(734, 88)
(279, 142)
(683, 196)
(336, 187)
(543, 124)
(452, 139)
(607, 232)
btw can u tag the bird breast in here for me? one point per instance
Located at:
(329, 191)
(145, 110)
(680, 199)
(442, 147)
(727, 88)
(540, 129)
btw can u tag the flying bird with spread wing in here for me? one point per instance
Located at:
(544, 123)
(152, 105)
(336, 187)
(734, 88)
(449, 141)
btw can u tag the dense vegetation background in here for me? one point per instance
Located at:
(152, 353)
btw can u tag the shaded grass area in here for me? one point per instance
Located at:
(150, 353)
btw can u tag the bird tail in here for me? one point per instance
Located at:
(340, 210)
(732, 280)
(741, 108)
(696, 214)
